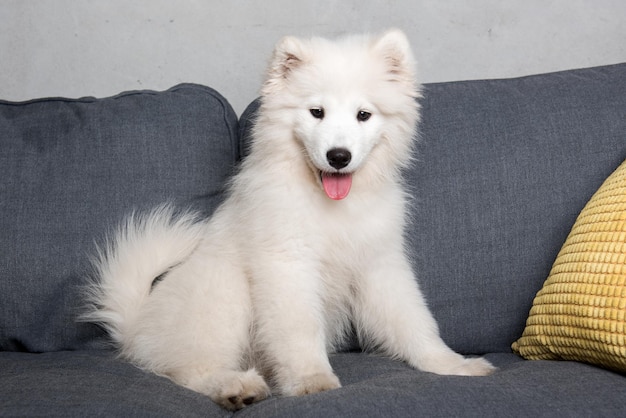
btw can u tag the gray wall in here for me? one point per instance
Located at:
(100, 47)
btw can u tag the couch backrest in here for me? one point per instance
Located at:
(70, 170)
(503, 168)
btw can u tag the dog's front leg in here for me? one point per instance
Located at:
(290, 328)
(391, 314)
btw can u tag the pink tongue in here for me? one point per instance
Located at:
(337, 186)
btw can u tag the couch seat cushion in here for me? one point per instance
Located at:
(93, 383)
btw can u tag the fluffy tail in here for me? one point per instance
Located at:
(143, 248)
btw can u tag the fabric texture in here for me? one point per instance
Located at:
(70, 171)
(580, 313)
(96, 384)
(91, 383)
(502, 169)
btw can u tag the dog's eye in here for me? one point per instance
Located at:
(317, 112)
(362, 116)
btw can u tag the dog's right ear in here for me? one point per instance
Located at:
(289, 54)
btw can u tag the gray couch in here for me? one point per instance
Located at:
(503, 169)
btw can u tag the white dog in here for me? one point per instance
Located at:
(308, 243)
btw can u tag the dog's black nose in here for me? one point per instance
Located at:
(338, 158)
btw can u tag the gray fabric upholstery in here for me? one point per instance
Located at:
(92, 383)
(377, 387)
(71, 169)
(502, 170)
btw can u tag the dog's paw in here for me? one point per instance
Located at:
(318, 382)
(230, 389)
(474, 367)
(479, 367)
(461, 366)
(240, 391)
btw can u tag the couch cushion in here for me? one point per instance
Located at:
(503, 168)
(378, 387)
(91, 383)
(71, 169)
(580, 313)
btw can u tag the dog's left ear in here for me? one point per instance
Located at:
(395, 49)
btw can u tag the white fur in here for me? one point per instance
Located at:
(274, 280)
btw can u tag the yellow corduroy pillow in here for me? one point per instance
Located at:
(580, 313)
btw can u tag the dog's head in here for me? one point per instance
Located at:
(350, 104)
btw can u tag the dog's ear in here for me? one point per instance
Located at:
(289, 53)
(395, 50)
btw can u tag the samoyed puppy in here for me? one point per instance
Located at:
(307, 246)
